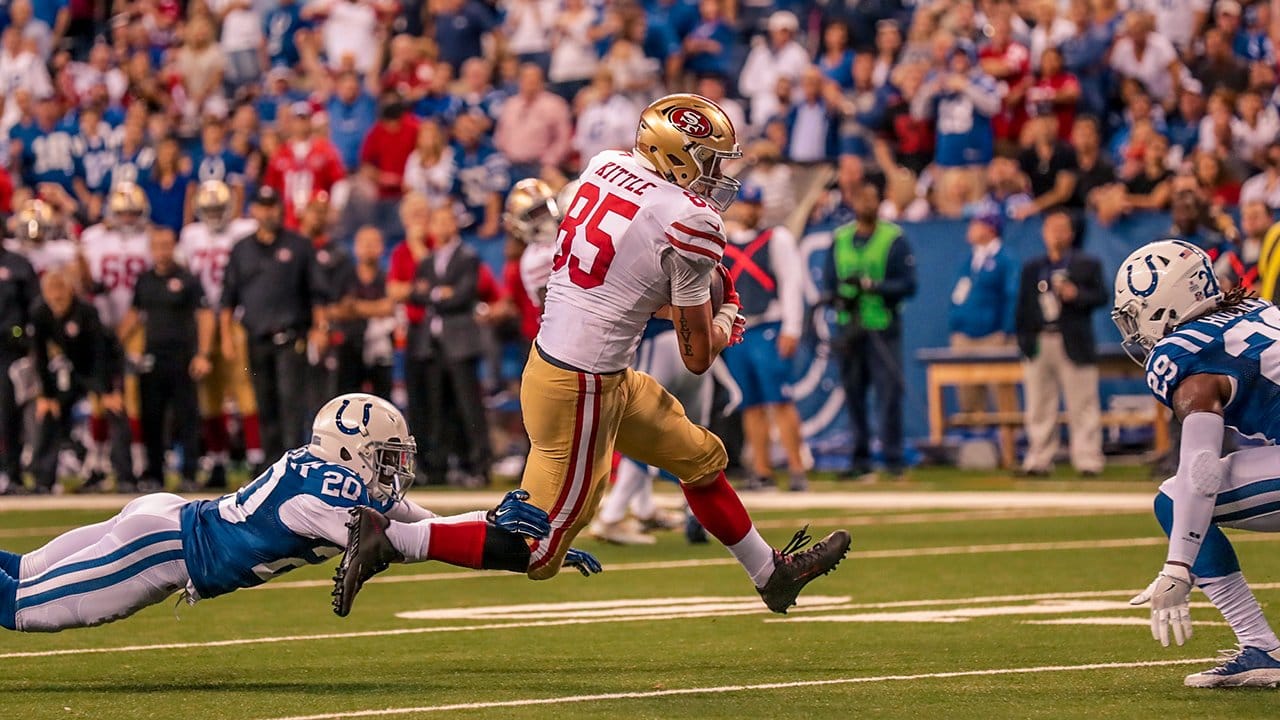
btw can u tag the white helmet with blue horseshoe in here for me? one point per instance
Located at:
(1159, 287)
(368, 435)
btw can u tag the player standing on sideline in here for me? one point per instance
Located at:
(292, 515)
(204, 247)
(642, 234)
(1209, 356)
(117, 251)
(41, 239)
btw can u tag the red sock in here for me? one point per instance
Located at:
(215, 435)
(460, 544)
(135, 430)
(252, 436)
(98, 429)
(719, 509)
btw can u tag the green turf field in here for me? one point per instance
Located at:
(939, 613)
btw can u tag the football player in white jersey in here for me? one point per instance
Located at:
(40, 238)
(294, 514)
(115, 252)
(532, 217)
(204, 247)
(643, 234)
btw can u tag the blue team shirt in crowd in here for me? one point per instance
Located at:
(280, 26)
(47, 156)
(167, 203)
(132, 166)
(458, 34)
(478, 173)
(964, 135)
(349, 123)
(94, 158)
(703, 63)
(47, 10)
(240, 540)
(1240, 344)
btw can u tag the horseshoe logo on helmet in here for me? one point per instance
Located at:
(1155, 279)
(347, 429)
(690, 122)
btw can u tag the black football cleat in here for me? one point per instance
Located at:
(794, 568)
(368, 553)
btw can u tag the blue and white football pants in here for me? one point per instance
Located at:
(101, 572)
(1249, 499)
(658, 357)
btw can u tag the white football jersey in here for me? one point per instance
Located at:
(115, 260)
(205, 252)
(535, 269)
(47, 255)
(630, 242)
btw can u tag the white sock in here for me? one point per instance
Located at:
(411, 539)
(1233, 598)
(642, 505)
(629, 480)
(755, 556)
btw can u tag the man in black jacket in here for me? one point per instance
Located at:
(1057, 297)
(74, 356)
(451, 344)
(18, 290)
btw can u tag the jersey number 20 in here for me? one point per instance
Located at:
(604, 220)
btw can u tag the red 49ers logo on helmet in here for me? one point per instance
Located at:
(691, 122)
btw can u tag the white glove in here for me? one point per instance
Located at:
(1170, 598)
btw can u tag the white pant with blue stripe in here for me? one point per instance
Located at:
(104, 572)
(1249, 498)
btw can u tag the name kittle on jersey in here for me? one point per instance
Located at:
(618, 241)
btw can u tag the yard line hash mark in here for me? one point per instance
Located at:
(640, 695)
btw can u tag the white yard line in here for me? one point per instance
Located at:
(857, 555)
(833, 500)
(645, 694)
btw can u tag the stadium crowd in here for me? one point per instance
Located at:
(367, 145)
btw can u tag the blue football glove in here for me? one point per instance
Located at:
(582, 561)
(515, 514)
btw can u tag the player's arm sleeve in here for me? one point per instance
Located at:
(784, 257)
(311, 517)
(1194, 490)
(407, 511)
(690, 279)
(697, 244)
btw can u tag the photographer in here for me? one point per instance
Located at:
(872, 271)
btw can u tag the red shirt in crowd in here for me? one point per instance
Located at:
(403, 268)
(1041, 95)
(388, 150)
(1007, 125)
(299, 179)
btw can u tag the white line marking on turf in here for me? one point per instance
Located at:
(939, 517)
(856, 555)
(640, 695)
(1112, 621)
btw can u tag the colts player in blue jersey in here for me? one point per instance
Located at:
(294, 514)
(1214, 359)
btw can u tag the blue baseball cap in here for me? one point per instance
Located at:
(750, 194)
(990, 216)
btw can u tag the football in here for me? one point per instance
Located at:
(717, 291)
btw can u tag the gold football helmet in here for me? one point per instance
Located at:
(127, 207)
(213, 204)
(34, 222)
(685, 138)
(532, 214)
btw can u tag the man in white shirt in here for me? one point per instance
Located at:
(241, 40)
(779, 56)
(1145, 55)
(606, 120)
(349, 30)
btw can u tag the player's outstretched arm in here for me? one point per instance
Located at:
(1197, 402)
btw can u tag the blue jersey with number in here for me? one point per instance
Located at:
(242, 539)
(1243, 344)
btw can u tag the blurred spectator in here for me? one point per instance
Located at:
(272, 285)
(476, 94)
(415, 215)
(574, 38)
(1184, 125)
(21, 70)
(1193, 220)
(1050, 32)
(1057, 296)
(1050, 166)
(534, 129)
(1009, 62)
(335, 285)
(303, 166)
(1178, 20)
(1086, 54)
(365, 335)
(1265, 186)
(384, 156)
(408, 72)
(214, 159)
(1254, 127)
(1218, 67)
(776, 56)
(169, 308)
(460, 26)
(962, 101)
(241, 40)
(352, 111)
(835, 58)
(200, 64)
(983, 299)
(527, 27)
(446, 285)
(18, 291)
(1148, 57)
(606, 119)
(712, 87)
(350, 31)
(888, 44)
(709, 47)
(74, 357)
(437, 100)
(1147, 189)
(42, 149)
(430, 168)
(812, 123)
(1217, 180)
(1253, 44)
(482, 178)
(283, 23)
(31, 28)
(168, 187)
(764, 264)
(1007, 192)
(1238, 267)
(902, 202)
(94, 150)
(871, 272)
(1055, 92)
